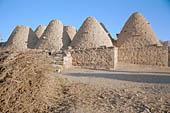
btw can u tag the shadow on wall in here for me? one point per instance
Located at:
(66, 40)
(32, 39)
(142, 78)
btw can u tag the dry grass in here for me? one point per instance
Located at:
(26, 86)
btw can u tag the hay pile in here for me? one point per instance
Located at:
(3, 55)
(26, 86)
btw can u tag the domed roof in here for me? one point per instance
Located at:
(137, 32)
(68, 34)
(22, 38)
(91, 35)
(51, 39)
(40, 30)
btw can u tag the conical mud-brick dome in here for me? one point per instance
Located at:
(91, 35)
(68, 34)
(22, 38)
(137, 33)
(106, 30)
(113, 40)
(40, 30)
(51, 39)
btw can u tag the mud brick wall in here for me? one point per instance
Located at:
(150, 55)
(95, 57)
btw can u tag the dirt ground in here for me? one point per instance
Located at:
(29, 84)
(120, 91)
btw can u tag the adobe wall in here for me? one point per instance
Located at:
(149, 55)
(95, 57)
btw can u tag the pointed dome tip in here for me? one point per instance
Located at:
(56, 21)
(22, 27)
(91, 18)
(137, 14)
(41, 25)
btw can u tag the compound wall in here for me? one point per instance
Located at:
(95, 57)
(149, 55)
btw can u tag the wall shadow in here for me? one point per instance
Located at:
(142, 78)
(32, 39)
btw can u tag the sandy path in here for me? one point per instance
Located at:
(119, 91)
(116, 79)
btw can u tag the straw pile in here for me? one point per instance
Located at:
(26, 86)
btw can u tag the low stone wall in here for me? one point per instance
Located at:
(95, 57)
(150, 55)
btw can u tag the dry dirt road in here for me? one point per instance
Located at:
(119, 91)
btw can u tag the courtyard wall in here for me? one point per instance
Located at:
(148, 55)
(104, 57)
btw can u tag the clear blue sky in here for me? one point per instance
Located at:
(113, 13)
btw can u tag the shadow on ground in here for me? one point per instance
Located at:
(142, 78)
(107, 70)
